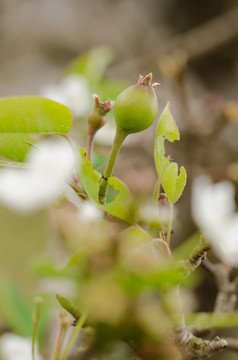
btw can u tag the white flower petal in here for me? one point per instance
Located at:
(89, 213)
(54, 158)
(213, 208)
(211, 203)
(224, 239)
(106, 135)
(149, 214)
(19, 190)
(41, 185)
(72, 91)
(14, 347)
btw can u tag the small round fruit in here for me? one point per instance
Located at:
(136, 107)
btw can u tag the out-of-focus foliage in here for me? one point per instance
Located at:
(93, 65)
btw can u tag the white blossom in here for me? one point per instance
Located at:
(89, 212)
(213, 209)
(106, 135)
(14, 347)
(154, 215)
(43, 182)
(72, 91)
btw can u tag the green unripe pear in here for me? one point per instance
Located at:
(136, 107)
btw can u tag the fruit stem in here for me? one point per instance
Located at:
(170, 223)
(90, 146)
(156, 193)
(117, 143)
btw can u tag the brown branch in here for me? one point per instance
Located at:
(227, 289)
(209, 267)
(232, 344)
(196, 257)
(226, 297)
(196, 347)
(225, 301)
(221, 29)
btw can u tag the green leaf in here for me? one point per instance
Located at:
(92, 64)
(24, 115)
(173, 183)
(118, 207)
(33, 114)
(111, 88)
(162, 279)
(99, 160)
(46, 268)
(169, 180)
(14, 310)
(77, 264)
(88, 177)
(166, 130)
(183, 251)
(161, 161)
(90, 181)
(15, 146)
(180, 183)
(167, 126)
(68, 306)
(136, 236)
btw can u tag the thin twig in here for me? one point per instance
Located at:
(196, 347)
(170, 223)
(90, 146)
(209, 267)
(196, 257)
(232, 344)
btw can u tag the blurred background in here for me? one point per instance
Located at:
(191, 47)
